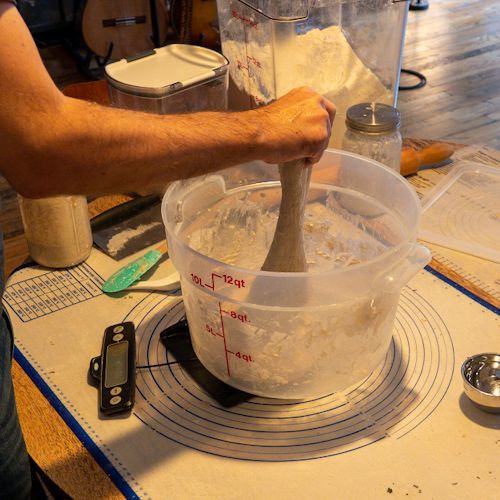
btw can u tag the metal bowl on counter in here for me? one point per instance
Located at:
(481, 376)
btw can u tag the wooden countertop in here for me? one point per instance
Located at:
(50, 442)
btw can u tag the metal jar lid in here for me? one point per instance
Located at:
(373, 118)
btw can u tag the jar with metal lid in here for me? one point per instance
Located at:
(373, 131)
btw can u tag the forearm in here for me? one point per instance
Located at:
(93, 149)
(52, 144)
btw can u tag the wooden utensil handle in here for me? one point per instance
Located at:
(412, 159)
(287, 252)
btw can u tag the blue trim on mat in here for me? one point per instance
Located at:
(462, 289)
(78, 430)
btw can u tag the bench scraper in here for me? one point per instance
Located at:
(130, 227)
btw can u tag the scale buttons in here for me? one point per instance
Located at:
(115, 391)
(115, 400)
(118, 337)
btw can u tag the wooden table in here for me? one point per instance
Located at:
(50, 441)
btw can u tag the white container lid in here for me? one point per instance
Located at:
(462, 212)
(166, 70)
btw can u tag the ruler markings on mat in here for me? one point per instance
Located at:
(53, 291)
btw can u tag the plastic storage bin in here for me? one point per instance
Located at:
(173, 79)
(348, 50)
(462, 211)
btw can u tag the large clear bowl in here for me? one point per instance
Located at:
(294, 335)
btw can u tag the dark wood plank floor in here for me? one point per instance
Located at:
(455, 43)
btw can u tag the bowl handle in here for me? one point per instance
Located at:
(418, 257)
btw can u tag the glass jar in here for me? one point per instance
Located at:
(373, 131)
(57, 229)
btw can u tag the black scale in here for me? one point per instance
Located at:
(115, 369)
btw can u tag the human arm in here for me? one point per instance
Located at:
(52, 144)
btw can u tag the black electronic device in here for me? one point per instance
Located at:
(177, 341)
(114, 369)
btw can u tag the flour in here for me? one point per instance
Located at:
(240, 233)
(118, 241)
(322, 59)
(295, 354)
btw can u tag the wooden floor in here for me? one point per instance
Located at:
(455, 43)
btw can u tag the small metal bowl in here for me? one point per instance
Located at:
(481, 376)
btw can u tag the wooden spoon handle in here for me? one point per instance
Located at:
(412, 160)
(287, 253)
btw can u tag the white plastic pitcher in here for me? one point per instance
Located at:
(294, 335)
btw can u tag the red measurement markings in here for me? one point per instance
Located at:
(244, 357)
(250, 61)
(196, 279)
(232, 281)
(199, 281)
(245, 20)
(228, 279)
(211, 330)
(255, 62)
(241, 65)
(224, 339)
(258, 100)
(236, 315)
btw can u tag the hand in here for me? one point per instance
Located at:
(298, 125)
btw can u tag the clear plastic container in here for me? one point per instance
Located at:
(57, 229)
(294, 335)
(462, 211)
(348, 50)
(173, 79)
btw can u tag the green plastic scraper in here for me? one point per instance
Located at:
(126, 277)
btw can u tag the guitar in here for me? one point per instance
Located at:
(114, 29)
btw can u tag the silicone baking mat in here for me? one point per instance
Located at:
(407, 430)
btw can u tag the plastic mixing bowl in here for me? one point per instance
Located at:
(294, 335)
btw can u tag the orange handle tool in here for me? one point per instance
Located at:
(412, 159)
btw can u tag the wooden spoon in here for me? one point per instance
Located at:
(287, 252)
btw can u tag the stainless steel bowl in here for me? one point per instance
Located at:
(481, 376)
